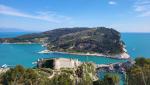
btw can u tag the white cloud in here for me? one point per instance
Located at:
(112, 3)
(142, 7)
(46, 16)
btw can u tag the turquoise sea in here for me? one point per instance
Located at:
(137, 44)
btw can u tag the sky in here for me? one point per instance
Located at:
(42, 15)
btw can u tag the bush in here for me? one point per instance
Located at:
(139, 74)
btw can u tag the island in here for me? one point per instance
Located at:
(96, 41)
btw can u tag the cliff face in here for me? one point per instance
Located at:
(92, 40)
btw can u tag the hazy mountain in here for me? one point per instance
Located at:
(12, 30)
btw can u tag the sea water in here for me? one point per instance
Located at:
(25, 54)
(137, 45)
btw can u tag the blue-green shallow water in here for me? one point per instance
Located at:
(25, 54)
(138, 44)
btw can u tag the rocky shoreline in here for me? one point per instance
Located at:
(117, 56)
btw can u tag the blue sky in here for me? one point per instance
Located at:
(41, 15)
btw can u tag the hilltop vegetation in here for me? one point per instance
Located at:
(87, 40)
(47, 36)
(96, 40)
(82, 75)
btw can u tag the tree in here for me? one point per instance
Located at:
(139, 74)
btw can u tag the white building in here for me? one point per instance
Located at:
(65, 63)
(57, 63)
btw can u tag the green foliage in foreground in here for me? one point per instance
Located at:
(141, 61)
(109, 79)
(65, 76)
(139, 74)
(20, 75)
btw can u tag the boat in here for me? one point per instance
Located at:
(4, 66)
(34, 62)
(7, 66)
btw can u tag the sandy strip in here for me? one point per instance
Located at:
(117, 56)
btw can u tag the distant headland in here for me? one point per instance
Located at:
(97, 41)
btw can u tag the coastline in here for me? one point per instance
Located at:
(122, 56)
